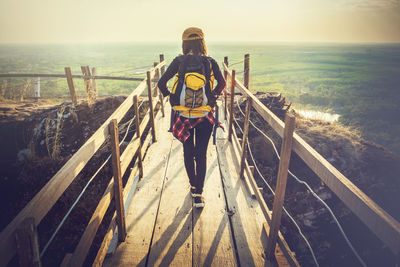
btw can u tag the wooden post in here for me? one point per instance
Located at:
(162, 104)
(27, 243)
(153, 128)
(226, 87)
(88, 72)
(25, 88)
(3, 88)
(231, 106)
(245, 134)
(156, 77)
(37, 88)
(89, 84)
(161, 74)
(94, 82)
(226, 62)
(85, 72)
(138, 134)
(281, 185)
(116, 166)
(71, 85)
(89, 90)
(246, 70)
(163, 67)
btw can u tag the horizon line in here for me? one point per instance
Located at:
(210, 42)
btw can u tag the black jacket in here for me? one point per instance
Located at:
(173, 68)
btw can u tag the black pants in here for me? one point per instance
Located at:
(195, 151)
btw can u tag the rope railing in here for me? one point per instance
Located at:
(273, 193)
(308, 187)
(142, 68)
(236, 62)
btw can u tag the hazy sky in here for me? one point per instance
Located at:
(58, 21)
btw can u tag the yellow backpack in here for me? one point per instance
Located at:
(191, 93)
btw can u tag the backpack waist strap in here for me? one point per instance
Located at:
(193, 112)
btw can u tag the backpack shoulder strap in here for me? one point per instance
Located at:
(207, 65)
(184, 59)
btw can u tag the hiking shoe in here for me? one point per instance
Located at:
(198, 201)
(193, 191)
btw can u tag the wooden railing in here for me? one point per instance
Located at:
(44, 200)
(384, 226)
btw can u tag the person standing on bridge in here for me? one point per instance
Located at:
(193, 97)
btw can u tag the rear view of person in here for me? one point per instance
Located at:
(193, 97)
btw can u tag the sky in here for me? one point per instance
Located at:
(82, 21)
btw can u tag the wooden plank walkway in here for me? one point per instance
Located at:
(164, 230)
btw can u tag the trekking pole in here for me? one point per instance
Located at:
(172, 120)
(215, 125)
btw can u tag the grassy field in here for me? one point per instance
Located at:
(360, 82)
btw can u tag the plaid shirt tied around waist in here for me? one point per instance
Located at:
(182, 125)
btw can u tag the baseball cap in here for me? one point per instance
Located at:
(192, 33)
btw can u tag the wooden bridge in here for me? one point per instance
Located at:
(162, 227)
(154, 223)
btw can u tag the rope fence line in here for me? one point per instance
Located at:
(238, 62)
(84, 189)
(273, 193)
(308, 187)
(130, 69)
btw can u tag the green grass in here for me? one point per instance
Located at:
(359, 82)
